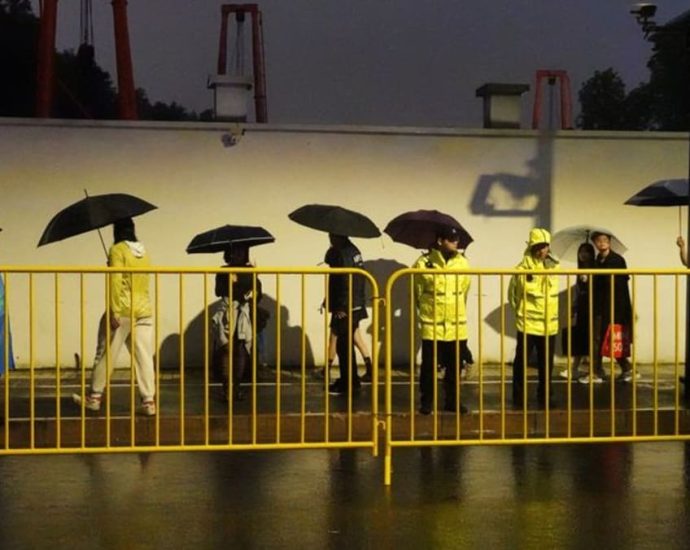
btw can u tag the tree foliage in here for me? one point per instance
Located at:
(82, 88)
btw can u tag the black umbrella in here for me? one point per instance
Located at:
(420, 228)
(222, 238)
(92, 213)
(336, 220)
(672, 192)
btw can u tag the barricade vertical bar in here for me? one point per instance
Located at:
(132, 379)
(388, 311)
(655, 352)
(207, 438)
(376, 302)
(32, 365)
(82, 351)
(303, 361)
(592, 351)
(278, 363)
(548, 363)
(108, 358)
(633, 338)
(180, 283)
(525, 357)
(434, 366)
(458, 362)
(254, 358)
(676, 357)
(502, 355)
(58, 421)
(6, 378)
(413, 307)
(351, 361)
(612, 363)
(327, 363)
(568, 353)
(231, 367)
(480, 358)
(157, 366)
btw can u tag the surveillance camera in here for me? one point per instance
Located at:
(643, 10)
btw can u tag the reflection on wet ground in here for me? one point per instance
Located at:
(568, 496)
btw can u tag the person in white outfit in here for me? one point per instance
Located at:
(130, 322)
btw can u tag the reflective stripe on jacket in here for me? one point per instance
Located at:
(447, 319)
(534, 298)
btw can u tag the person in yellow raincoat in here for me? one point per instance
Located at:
(534, 299)
(441, 307)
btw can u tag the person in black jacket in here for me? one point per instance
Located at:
(344, 321)
(601, 308)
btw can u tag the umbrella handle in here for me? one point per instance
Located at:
(100, 236)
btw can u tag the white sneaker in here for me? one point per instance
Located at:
(596, 379)
(564, 374)
(627, 376)
(147, 408)
(92, 401)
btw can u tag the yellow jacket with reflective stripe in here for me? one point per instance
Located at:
(447, 320)
(129, 290)
(534, 298)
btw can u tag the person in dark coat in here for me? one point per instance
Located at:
(345, 321)
(579, 329)
(601, 306)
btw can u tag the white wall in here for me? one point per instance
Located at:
(198, 183)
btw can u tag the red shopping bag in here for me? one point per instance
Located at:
(617, 342)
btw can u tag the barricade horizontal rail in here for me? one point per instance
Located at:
(51, 315)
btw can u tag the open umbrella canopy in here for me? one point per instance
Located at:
(336, 220)
(672, 192)
(566, 241)
(222, 238)
(420, 228)
(92, 213)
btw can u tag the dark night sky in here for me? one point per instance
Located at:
(383, 62)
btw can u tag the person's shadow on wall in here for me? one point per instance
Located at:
(196, 337)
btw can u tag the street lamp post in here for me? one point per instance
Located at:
(644, 13)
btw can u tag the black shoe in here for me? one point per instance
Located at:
(450, 407)
(367, 376)
(336, 388)
(425, 409)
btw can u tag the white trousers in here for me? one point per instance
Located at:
(141, 339)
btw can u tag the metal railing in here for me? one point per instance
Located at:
(56, 309)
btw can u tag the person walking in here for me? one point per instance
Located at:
(242, 311)
(579, 327)
(5, 333)
(441, 301)
(534, 299)
(345, 319)
(602, 300)
(129, 319)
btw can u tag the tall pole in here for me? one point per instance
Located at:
(126, 94)
(45, 74)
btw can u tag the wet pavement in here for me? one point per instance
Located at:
(567, 496)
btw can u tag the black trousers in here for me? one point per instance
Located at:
(448, 355)
(344, 329)
(544, 363)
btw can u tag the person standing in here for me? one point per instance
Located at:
(602, 300)
(534, 299)
(347, 306)
(441, 300)
(242, 311)
(130, 321)
(579, 329)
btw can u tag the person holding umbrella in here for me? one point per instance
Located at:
(240, 287)
(534, 299)
(345, 321)
(129, 301)
(441, 308)
(602, 299)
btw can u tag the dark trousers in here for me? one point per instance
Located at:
(448, 355)
(344, 329)
(537, 343)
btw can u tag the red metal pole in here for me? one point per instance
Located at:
(45, 77)
(259, 68)
(566, 103)
(223, 44)
(126, 94)
(536, 110)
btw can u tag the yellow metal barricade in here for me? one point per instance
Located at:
(54, 311)
(643, 404)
